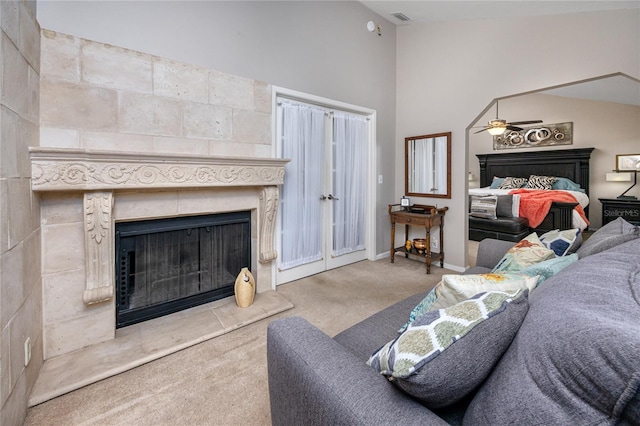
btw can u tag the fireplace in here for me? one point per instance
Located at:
(167, 265)
(85, 194)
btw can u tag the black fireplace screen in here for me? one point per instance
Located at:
(166, 265)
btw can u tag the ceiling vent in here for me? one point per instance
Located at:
(401, 16)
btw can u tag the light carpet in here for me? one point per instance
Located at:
(223, 381)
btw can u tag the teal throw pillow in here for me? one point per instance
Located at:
(567, 184)
(496, 182)
(549, 268)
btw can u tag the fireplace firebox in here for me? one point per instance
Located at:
(167, 265)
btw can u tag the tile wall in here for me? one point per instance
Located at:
(20, 282)
(100, 97)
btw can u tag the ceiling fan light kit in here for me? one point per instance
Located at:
(498, 127)
(497, 130)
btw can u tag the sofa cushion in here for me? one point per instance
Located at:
(562, 241)
(575, 358)
(525, 253)
(445, 354)
(612, 234)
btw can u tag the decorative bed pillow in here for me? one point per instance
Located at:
(540, 182)
(525, 253)
(512, 183)
(612, 234)
(548, 268)
(562, 242)
(496, 182)
(567, 185)
(445, 354)
(484, 207)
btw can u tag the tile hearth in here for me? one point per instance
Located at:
(144, 342)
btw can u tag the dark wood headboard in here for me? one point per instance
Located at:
(569, 163)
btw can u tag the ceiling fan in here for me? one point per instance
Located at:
(497, 127)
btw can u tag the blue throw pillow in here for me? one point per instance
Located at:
(496, 182)
(567, 184)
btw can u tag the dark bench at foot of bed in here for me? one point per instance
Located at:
(503, 228)
(514, 229)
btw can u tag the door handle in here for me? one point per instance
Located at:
(331, 197)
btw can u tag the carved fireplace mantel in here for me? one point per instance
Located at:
(100, 174)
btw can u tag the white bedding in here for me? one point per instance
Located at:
(581, 197)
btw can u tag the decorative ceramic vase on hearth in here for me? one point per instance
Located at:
(245, 288)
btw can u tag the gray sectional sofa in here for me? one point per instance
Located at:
(575, 359)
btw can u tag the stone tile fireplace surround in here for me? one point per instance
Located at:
(85, 192)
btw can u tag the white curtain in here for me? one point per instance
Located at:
(350, 135)
(427, 156)
(440, 164)
(301, 212)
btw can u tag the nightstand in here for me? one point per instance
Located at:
(613, 208)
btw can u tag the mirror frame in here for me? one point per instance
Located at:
(406, 165)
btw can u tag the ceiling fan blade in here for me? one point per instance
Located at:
(514, 128)
(525, 122)
(480, 130)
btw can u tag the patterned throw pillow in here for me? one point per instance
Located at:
(562, 242)
(512, 183)
(453, 289)
(484, 207)
(541, 182)
(445, 354)
(525, 253)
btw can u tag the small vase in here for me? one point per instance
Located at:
(245, 288)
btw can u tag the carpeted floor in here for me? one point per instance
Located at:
(223, 381)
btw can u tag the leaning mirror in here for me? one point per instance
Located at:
(427, 165)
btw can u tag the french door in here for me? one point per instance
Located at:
(322, 214)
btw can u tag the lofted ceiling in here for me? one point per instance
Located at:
(615, 88)
(456, 10)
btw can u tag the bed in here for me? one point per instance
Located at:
(564, 211)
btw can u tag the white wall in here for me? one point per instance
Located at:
(610, 128)
(321, 48)
(449, 72)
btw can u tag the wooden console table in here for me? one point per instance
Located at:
(418, 215)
